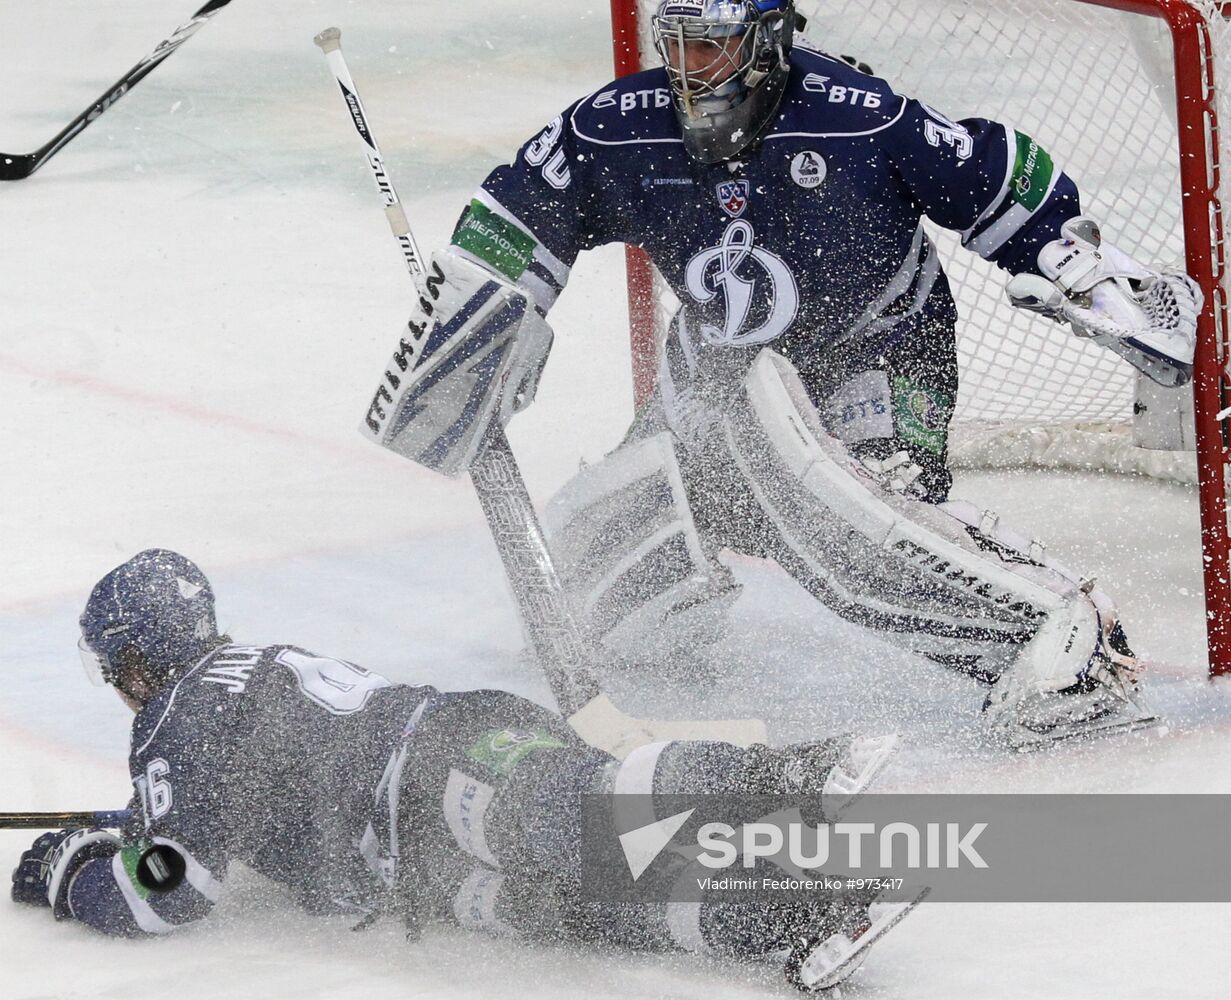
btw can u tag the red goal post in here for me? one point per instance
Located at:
(1200, 47)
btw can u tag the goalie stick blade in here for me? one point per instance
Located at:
(602, 725)
(16, 166)
(1023, 740)
(1165, 371)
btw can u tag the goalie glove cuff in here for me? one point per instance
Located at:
(1080, 260)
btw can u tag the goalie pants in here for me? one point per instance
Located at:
(490, 832)
(891, 387)
(890, 393)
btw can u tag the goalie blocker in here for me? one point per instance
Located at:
(470, 338)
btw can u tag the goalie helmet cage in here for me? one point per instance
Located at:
(1124, 94)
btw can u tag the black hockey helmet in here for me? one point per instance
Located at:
(153, 614)
(728, 65)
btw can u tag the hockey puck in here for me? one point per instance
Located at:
(161, 868)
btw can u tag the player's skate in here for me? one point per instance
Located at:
(838, 769)
(829, 954)
(1102, 700)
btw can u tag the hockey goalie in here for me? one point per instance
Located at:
(806, 384)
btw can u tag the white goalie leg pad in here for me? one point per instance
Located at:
(931, 573)
(1040, 670)
(473, 349)
(629, 554)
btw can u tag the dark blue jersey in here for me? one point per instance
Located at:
(266, 755)
(324, 777)
(810, 239)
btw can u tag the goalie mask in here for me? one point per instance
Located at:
(151, 617)
(727, 61)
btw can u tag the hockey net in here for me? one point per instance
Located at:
(1124, 95)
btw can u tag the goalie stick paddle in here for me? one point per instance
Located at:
(15, 166)
(107, 819)
(558, 644)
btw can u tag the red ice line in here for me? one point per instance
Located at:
(169, 404)
(189, 411)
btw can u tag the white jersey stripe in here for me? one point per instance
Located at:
(1010, 161)
(1009, 224)
(142, 912)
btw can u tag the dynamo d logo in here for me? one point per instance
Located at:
(757, 288)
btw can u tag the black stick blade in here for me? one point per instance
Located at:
(15, 166)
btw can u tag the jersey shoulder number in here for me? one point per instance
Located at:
(339, 687)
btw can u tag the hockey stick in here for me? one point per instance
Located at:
(107, 819)
(558, 643)
(15, 166)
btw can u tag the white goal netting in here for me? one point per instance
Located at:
(1095, 86)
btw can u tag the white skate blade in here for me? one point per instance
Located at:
(1094, 714)
(864, 760)
(827, 963)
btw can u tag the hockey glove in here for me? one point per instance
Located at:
(1147, 317)
(472, 352)
(44, 873)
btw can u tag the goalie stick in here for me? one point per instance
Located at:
(15, 166)
(107, 819)
(557, 641)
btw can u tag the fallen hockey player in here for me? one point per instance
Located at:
(365, 797)
(780, 192)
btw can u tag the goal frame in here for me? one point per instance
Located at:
(1205, 256)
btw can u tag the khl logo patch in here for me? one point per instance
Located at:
(733, 197)
(808, 169)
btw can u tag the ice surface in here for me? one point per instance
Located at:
(198, 294)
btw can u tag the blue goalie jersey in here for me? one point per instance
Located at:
(809, 241)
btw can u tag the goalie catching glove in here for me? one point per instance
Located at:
(1147, 317)
(472, 352)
